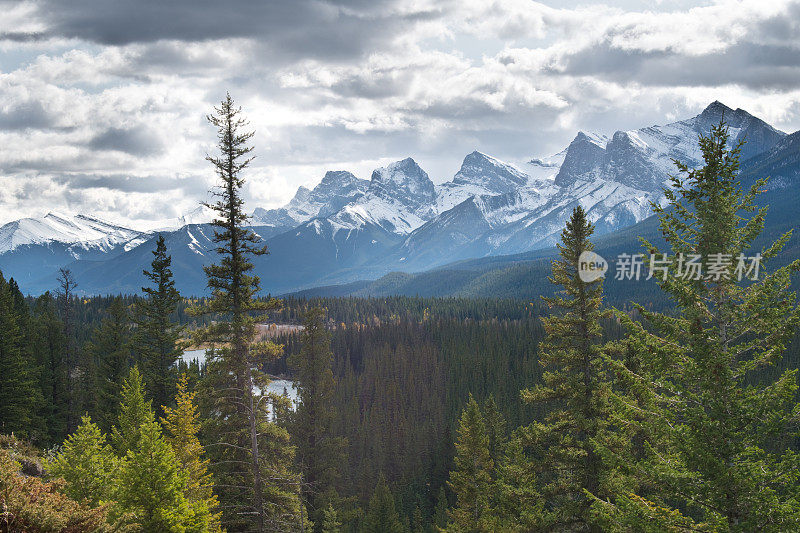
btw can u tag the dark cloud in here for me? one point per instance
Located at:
(758, 66)
(295, 28)
(134, 141)
(128, 184)
(28, 115)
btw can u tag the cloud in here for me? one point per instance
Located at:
(134, 141)
(102, 104)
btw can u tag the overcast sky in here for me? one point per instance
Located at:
(103, 104)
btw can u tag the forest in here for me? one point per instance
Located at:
(414, 414)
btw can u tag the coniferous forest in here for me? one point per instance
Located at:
(563, 414)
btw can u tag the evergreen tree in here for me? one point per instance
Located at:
(156, 343)
(381, 513)
(149, 485)
(65, 295)
(87, 464)
(440, 517)
(109, 353)
(713, 413)
(19, 394)
(182, 426)
(516, 503)
(573, 390)
(495, 429)
(330, 521)
(134, 412)
(48, 344)
(251, 499)
(471, 480)
(320, 454)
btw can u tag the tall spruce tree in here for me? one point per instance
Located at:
(713, 413)
(149, 485)
(108, 354)
(573, 390)
(382, 514)
(471, 480)
(320, 453)
(65, 295)
(134, 411)
(264, 494)
(48, 343)
(156, 342)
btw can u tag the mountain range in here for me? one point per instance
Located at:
(348, 229)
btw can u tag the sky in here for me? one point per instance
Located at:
(103, 103)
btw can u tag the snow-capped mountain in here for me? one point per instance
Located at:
(643, 158)
(81, 232)
(337, 189)
(479, 175)
(346, 228)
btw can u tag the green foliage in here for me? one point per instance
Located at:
(108, 354)
(574, 388)
(381, 514)
(134, 412)
(182, 426)
(320, 453)
(87, 464)
(48, 343)
(712, 419)
(471, 480)
(330, 521)
(19, 396)
(28, 504)
(149, 485)
(516, 503)
(156, 342)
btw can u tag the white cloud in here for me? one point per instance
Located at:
(355, 85)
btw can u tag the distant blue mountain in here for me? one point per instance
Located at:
(349, 231)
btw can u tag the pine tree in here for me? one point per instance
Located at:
(320, 454)
(574, 388)
(156, 342)
(48, 344)
(134, 412)
(182, 426)
(495, 429)
(330, 521)
(109, 353)
(87, 464)
(516, 503)
(440, 517)
(250, 498)
(471, 480)
(713, 413)
(381, 513)
(65, 295)
(149, 484)
(19, 394)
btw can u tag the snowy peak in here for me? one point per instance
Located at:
(585, 159)
(82, 230)
(337, 189)
(487, 172)
(406, 183)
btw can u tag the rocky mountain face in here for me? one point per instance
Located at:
(346, 228)
(337, 189)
